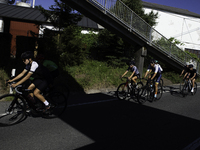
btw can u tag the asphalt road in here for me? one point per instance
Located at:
(101, 122)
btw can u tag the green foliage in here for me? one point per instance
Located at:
(3, 78)
(172, 76)
(61, 15)
(193, 55)
(96, 74)
(137, 7)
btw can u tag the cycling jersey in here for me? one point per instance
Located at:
(157, 68)
(41, 75)
(153, 68)
(192, 72)
(186, 69)
(134, 68)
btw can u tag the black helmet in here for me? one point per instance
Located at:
(132, 63)
(190, 66)
(27, 55)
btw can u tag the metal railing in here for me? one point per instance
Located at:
(130, 20)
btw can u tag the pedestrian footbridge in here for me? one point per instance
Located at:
(117, 17)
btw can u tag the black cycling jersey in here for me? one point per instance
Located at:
(39, 71)
(186, 69)
(192, 72)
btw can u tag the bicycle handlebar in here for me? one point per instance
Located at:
(18, 88)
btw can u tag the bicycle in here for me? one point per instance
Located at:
(14, 108)
(146, 93)
(127, 89)
(186, 87)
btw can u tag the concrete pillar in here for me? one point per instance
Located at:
(139, 59)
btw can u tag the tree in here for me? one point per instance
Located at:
(61, 15)
(136, 6)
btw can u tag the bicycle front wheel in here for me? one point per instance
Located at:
(122, 91)
(12, 109)
(58, 100)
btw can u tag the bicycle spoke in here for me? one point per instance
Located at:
(122, 91)
(11, 114)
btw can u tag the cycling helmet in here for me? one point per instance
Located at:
(27, 55)
(155, 61)
(132, 63)
(190, 66)
(187, 63)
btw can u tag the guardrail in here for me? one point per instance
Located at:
(123, 14)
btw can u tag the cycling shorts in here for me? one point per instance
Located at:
(40, 84)
(138, 75)
(157, 77)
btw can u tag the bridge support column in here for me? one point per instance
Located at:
(139, 59)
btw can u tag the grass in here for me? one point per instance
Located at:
(3, 78)
(95, 74)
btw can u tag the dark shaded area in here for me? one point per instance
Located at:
(127, 125)
(5, 43)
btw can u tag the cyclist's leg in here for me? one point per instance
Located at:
(41, 85)
(30, 96)
(134, 78)
(192, 90)
(156, 84)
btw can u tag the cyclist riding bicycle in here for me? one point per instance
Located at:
(41, 75)
(191, 75)
(135, 73)
(185, 69)
(157, 74)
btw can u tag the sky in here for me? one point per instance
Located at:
(191, 5)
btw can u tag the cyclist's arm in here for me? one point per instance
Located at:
(153, 76)
(193, 76)
(23, 79)
(182, 73)
(124, 73)
(132, 75)
(185, 74)
(19, 76)
(147, 72)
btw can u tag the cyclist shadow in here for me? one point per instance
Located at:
(174, 91)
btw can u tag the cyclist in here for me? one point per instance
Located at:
(50, 65)
(192, 75)
(157, 74)
(41, 75)
(185, 69)
(135, 73)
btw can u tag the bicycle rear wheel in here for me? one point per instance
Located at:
(58, 100)
(12, 109)
(122, 91)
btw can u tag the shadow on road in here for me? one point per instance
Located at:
(123, 125)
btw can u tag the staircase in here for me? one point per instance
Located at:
(120, 19)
